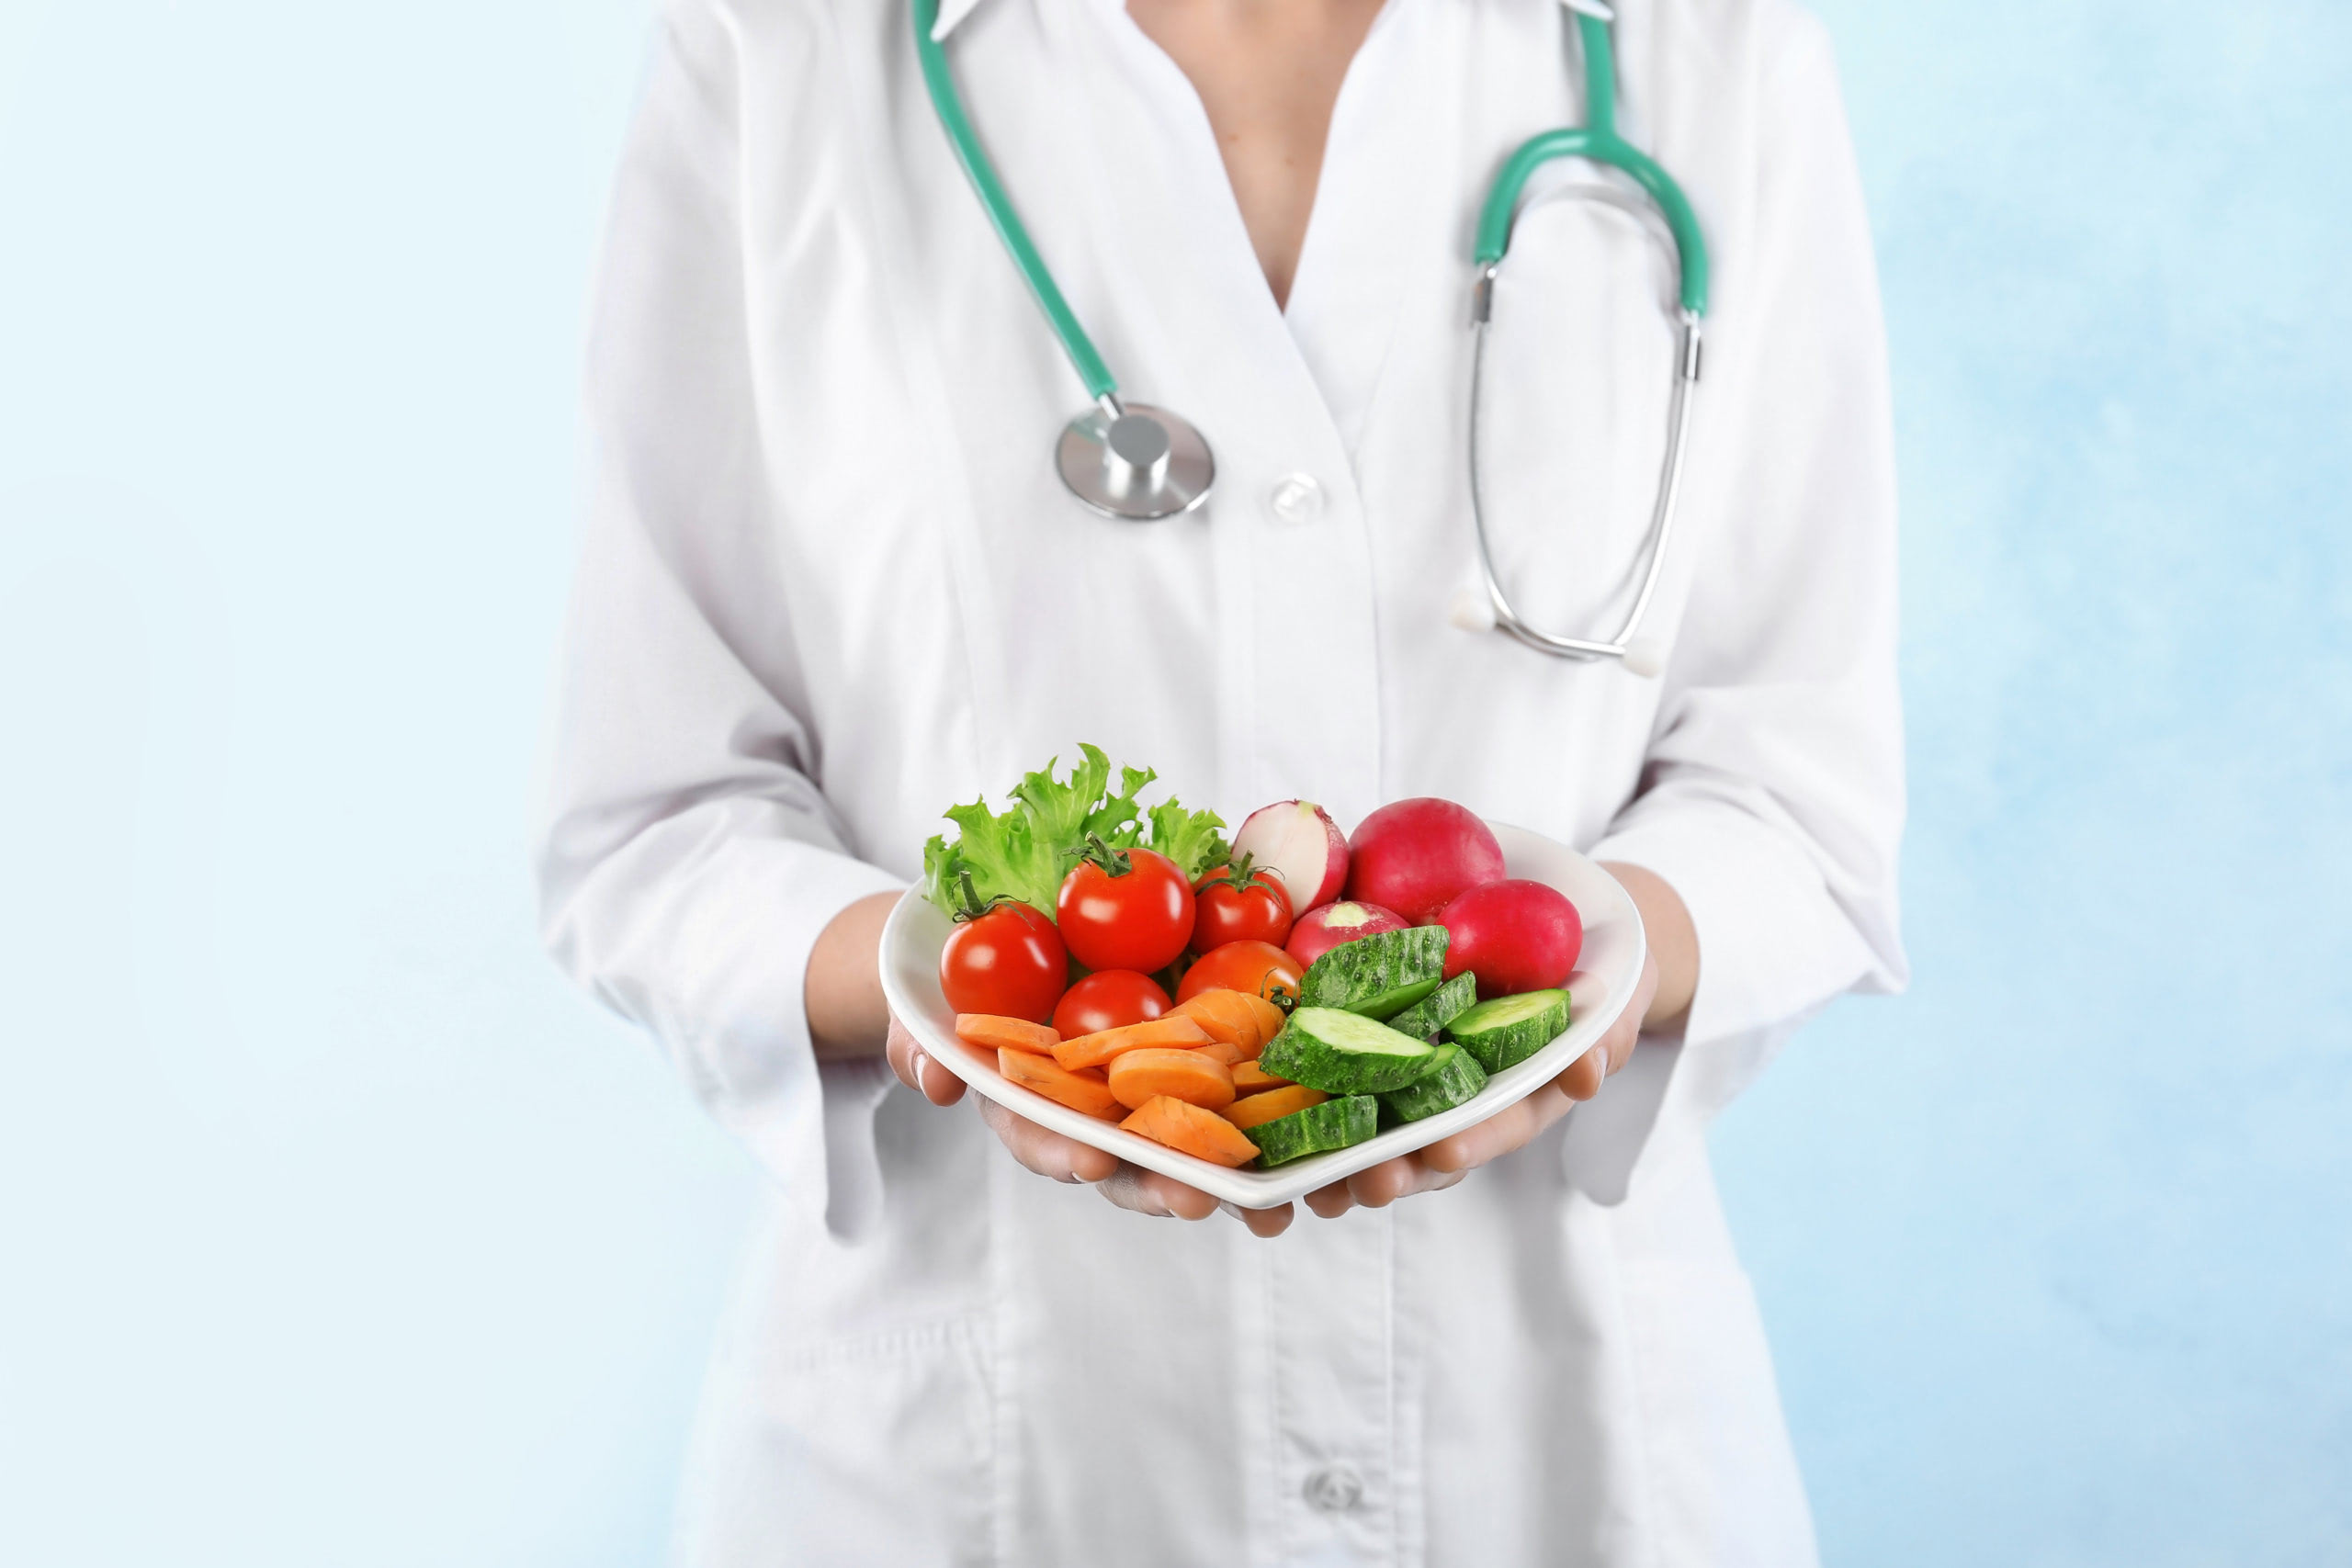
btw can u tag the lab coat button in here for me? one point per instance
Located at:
(1334, 1489)
(1295, 498)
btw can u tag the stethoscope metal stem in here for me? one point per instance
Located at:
(1688, 359)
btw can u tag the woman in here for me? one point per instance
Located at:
(831, 582)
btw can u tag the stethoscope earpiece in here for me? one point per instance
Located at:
(1139, 464)
(1472, 610)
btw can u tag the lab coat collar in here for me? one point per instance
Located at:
(951, 12)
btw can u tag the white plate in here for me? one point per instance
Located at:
(1606, 973)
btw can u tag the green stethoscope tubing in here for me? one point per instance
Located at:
(1598, 141)
(1083, 357)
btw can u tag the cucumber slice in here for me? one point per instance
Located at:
(1363, 973)
(1342, 1053)
(1507, 1031)
(1318, 1129)
(1456, 1078)
(1439, 1009)
(1388, 1004)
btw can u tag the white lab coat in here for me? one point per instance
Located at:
(830, 583)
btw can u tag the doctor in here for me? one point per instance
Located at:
(831, 581)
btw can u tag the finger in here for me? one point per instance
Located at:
(916, 1069)
(1331, 1202)
(1148, 1193)
(1584, 1074)
(1378, 1186)
(1498, 1134)
(1261, 1222)
(1045, 1151)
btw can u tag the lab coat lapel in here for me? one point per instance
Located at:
(1379, 206)
(1194, 328)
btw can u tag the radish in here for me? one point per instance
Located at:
(1415, 856)
(1514, 935)
(1326, 925)
(1298, 842)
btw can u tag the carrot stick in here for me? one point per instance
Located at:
(1219, 1050)
(1084, 1093)
(1274, 1103)
(991, 1032)
(1271, 1017)
(1228, 1018)
(1140, 1075)
(1093, 1050)
(1190, 1130)
(1249, 1078)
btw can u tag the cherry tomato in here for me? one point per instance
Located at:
(1004, 958)
(1124, 909)
(1109, 999)
(1258, 967)
(1236, 903)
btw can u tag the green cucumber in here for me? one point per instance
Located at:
(1439, 1009)
(1507, 1031)
(1456, 1077)
(1342, 1053)
(1377, 971)
(1318, 1129)
(1388, 1004)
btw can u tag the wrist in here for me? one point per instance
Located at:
(842, 991)
(1673, 941)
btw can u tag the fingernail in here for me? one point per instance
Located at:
(916, 1062)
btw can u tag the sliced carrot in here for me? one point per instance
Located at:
(1139, 1075)
(1228, 1018)
(1274, 1103)
(1190, 1130)
(1219, 1050)
(1249, 1078)
(991, 1032)
(1093, 1050)
(1082, 1092)
(1271, 1017)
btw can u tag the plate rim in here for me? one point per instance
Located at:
(1265, 1190)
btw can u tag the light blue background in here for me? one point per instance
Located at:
(333, 1230)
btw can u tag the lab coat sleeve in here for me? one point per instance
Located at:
(1772, 794)
(688, 857)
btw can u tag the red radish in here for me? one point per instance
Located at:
(1298, 842)
(1514, 935)
(1415, 856)
(1320, 930)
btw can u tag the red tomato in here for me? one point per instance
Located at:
(1008, 960)
(1235, 903)
(1125, 909)
(1109, 999)
(1258, 967)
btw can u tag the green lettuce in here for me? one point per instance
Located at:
(1025, 852)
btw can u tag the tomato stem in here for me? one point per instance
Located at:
(1237, 872)
(971, 905)
(1113, 862)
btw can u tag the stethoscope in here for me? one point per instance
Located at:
(1139, 463)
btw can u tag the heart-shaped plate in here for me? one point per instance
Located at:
(1606, 973)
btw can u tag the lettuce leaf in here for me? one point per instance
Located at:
(1189, 838)
(1024, 851)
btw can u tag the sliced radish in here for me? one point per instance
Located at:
(1298, 842)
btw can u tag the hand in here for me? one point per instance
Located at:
(1448, 1160)
(1066, 1160)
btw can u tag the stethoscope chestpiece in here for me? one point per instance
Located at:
(1134, 462)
